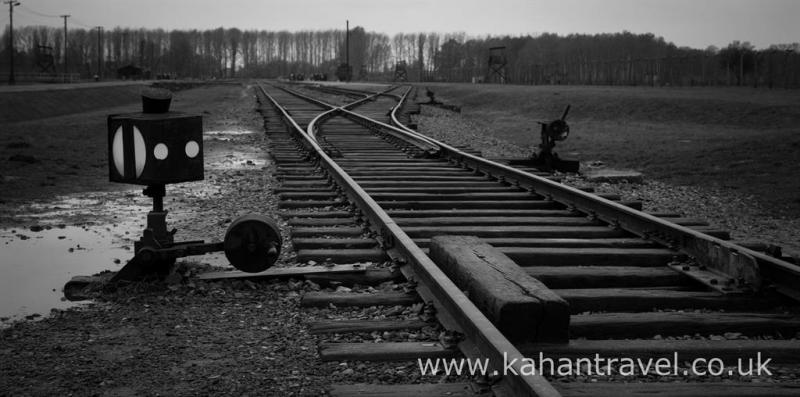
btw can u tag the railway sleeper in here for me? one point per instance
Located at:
(580, 232)
(339, 299)
(342, 326)
(322, 221)
(498, 221)
(311, 204)
(467, 204)
(577, 389)
(780, 351)
(301, 189)
(312, 195)
(333, 243)
(442, 189)
(637, 300)
(594, 256)
(561, 242)
(650, 324)
(314, 178)
(460, 212)
(650, 389)
(341, 232)
(317, 214)
(387, 351)
(574, 277)
(335, 275)
(342, 255)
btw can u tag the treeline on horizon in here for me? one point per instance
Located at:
(619, 58)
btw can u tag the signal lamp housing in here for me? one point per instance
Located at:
(155, 148)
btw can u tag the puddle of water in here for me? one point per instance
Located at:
(87, 208)
(35, 268)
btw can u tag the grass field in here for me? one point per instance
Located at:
(743, 139)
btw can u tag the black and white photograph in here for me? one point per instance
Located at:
(383, 198)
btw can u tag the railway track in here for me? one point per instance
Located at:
(359, 187)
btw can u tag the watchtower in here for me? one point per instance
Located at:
(497, 64)
(400, 71)
(45, 60)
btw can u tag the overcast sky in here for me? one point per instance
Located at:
(693, 23)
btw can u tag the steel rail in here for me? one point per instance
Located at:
(485, 340)
(319, 102)
(423, 143)
(349, 91)
(745, 265)
(345, 91)
(334, 91)
(393, 114)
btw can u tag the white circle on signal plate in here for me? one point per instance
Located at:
(139, 151)
(192, 149)
(160, 152)
(117, 152)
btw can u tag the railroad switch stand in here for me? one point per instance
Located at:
(157, 147)
(431, 97)
(545, 158)
(252, 243)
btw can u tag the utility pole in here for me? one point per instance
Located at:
(99, 52)
(66, 68)
(347, 48)
(11, 5)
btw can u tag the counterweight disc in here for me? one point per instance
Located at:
(252, 243)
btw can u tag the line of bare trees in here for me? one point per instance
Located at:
(621, 58)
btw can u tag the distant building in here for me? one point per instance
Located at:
(128, 72)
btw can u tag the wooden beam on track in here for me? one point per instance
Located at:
(521, 307)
